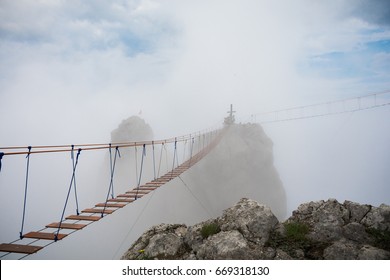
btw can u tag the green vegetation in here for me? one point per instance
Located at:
(210, 229)
(295, 238)
(296, 232)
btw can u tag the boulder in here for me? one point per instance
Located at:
(248, 230)
(253, 220)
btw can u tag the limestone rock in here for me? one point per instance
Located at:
(341, 250)
(356, 211)
(225, 245)
(368, 252)
(252, 219)
(248, 230)
(162, 241)
(378, 218)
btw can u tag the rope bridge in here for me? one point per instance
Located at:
(55, 231)
(205, 142)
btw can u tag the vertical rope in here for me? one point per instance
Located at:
(1, 157)
(136, 162)
(174, 158)
(154, 162)
(111, 187)
(74, 179)
(159, 164)
(192, 147)
(109, 149)
(117, 153)
(184, 151)
(166, 158)
(25, 192)
(141, 168)
(67, 196)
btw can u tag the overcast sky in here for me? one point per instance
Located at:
(72, 70)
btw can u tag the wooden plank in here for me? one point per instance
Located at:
(83, 218)
(156, 184)
(128, 196)
(138, 192)
(21, 249)
(44, 235)
(66, 226)
(92, 210)
(147, 188)
(112, 205)
(128, 200)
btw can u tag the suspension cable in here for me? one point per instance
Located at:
(154, 162)
(111, 186)
(67, 196)
(25, 191)
(1, 157)
(141, 168)
(74, 164)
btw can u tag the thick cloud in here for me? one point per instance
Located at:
(373, 11)
(70, 71)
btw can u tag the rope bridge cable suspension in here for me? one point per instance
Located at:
(25, 192)
(111, 186)
(74, 164)
(327, 108)
(1, 157)
(72, 181)
(141, 168)
(192, 147)
(174, 157)
(136, 163)
(118, 202)
(154, 162)
(159, 164)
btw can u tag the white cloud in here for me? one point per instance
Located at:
(70, 71)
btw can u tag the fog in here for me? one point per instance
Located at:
(72, 71)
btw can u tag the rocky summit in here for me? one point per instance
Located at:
(316, 230)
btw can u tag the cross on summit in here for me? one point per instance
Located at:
(230, 119)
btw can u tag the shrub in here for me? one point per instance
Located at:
(209, 229)
(296, 231)
(294, 238)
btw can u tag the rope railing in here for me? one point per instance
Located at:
(73, 223)
(334, 107)
(14, 150)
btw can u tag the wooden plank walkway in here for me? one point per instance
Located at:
(113, 204)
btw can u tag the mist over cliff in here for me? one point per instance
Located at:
(241, 165)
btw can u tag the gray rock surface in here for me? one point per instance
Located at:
(249, 230)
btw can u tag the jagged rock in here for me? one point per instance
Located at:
(368, 252)
(162, 241)
(325, 218)
(224, 245)
(356, 210)
(341, 250)
(250, 218)
(356, 232)
(282, 255)
(248, 230)
(193, 237)
(378, 218)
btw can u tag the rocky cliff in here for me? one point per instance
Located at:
(249, 230)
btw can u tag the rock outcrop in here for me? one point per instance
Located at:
(248, 230)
